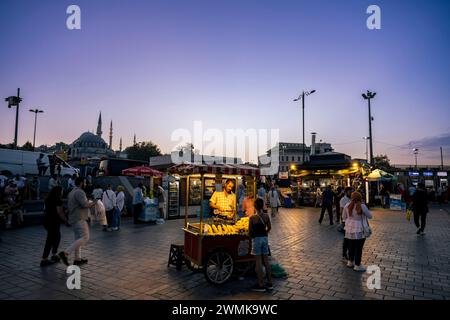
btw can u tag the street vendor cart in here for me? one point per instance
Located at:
(218, 247)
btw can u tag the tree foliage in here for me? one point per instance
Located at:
(143, 151)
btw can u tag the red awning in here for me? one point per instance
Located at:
(141, 171)
(187, 168)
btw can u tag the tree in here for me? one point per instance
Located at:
(382, 161)
(143, 151)
(27, 146)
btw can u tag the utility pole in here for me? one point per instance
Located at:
(442, 160)
(302, 97)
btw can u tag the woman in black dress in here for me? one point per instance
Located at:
(54, 215)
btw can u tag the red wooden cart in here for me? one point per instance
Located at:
(218, 256)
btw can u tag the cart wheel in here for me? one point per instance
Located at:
(218, 267)
(192, 266)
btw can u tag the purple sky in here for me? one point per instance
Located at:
(155, 66)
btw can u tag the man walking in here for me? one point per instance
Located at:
(327, 204)
(420, 208)
(78, 206)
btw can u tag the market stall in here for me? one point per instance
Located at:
(212, 243)
(150, 211)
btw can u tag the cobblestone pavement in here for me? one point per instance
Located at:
(132, 263)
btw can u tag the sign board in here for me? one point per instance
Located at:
(283, 175)
(396, 203)
(413, 173)
(442, 174)
(427, 174)
(429, 183)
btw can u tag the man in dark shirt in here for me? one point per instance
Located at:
(327, 204)
(420, 208)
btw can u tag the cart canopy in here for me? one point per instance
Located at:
(187, 168)
(142, 171)
(379, 175)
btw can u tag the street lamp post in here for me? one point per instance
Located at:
(368, 96)
(367, 148)
(15, 101)
(302, 97)
(416, 152)
(35, 111)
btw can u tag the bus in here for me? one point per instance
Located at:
(114, 167)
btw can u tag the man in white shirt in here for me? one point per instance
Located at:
(344, 201)
(110, 202)
(53, 182)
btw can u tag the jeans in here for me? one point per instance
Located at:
(329, 208)
(420, 219)
(345, 248)
(116, 218)
(81, 233)
(110, 218)
(355, 250)
(52, 241)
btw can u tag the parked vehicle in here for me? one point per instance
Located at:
(21, 162)
(114, 167)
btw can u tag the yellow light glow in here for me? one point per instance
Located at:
(293, 167)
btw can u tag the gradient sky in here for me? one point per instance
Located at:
(155, 66)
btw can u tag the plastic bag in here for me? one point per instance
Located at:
(408, 214)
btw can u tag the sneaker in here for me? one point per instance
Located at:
(257, 288)
(422, 233)
(80, 262)
(269, 286)
(45, 262)
(418, 231)
(115, 229)
(63, 257)
(349, 264)
(55, 258)
(359, 268)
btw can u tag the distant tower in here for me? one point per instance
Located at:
(134, 140)
(110, 135)
(120, 145)
(99, 125)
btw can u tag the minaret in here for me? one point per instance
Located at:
(99, 125)
(134, 140)
(120, 145)
(110, 135)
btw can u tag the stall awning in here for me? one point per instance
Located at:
(142, 171)
(379, 175)
(187, 168)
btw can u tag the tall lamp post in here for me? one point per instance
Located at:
(302, 97)
(416, 152)
(368, 96)
(35, 111)
(367, 148)
(14, 101)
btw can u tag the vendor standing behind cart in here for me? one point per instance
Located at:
(224, 202)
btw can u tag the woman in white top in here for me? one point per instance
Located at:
(120, 202)
(355, 216)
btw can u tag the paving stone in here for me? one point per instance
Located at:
(132, 264)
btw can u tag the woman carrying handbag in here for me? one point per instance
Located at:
(357, 229)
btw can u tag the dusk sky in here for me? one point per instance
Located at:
(155, 66)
